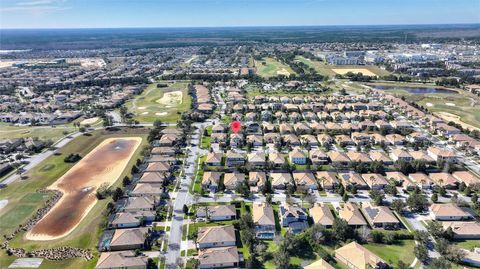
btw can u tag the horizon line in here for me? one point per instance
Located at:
(240, 26)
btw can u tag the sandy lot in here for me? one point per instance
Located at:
(451, 117)
(89, 121)
(364, 71)
(3, 203)
(171, 98)
(283, 71)
(104, 164)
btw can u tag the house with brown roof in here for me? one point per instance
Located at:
(400, 155)
(421, 155)
(121, 260)
(375, 181)
(351, 179)
(128, 239)
(441, 154)
(448, 212)
(257, 180)
(216, 236)
(421, 180)
(324, 139)
(217, 212)
(210, 180)
(263, 220)
(352, 215)
(463, 230)
(320, 264)
(134, 204)
(168, 151)
(318, 157)
(158, 167)
(444, 179)
(293, 217)
(355, 256)
(380, 156)
(466, 177)
(232, 180)
(380, 216)
(291, 140)
(280, 180)
(297, 156)
(359, 157)
(276, 159)
(338, 158)
(328, 180)
(344, 140)
(400, 178)
(153, 177)
(147, 189)
(256, 158)
(234, 158)
(214, 159)
(321, 214)
(222, 257)
(272, 138)
(305, 180)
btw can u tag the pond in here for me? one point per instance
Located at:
(414, 90)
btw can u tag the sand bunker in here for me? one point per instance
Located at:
(145, 113)
(3, 203)
(450, 104)
(104, 164)
(452, 117)
(171, 98)
(161, 113)
(283, 71)
(343, 71)
(89, 121)
(141, 108)
(429, 104)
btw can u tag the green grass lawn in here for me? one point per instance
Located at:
(23, 199)
(270, 67)
(402, 251)
(206, 139)
(468, 244)
(146, 106)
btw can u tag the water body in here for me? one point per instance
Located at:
(414, 90)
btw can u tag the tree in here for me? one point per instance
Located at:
(402, 265)
(421, 252)
(117, 194)
(185, 209)
(377, 196)
(281, 258)
(268, 198)
(442, 246)
(440, 263)
(434, 198)
(345, 197)
(435, 229)
(417, 201)
(341, 230)
(398, 205)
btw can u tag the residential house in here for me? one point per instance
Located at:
(444, 179)
(305, 180)
(232, 180)
(121, 260)
(467, 177)
(328, 180)
(276, 159)
(297, 156)
(293, 217)
(401, 155)
(216, 236)
(217, 212)
(352, 215)
(463, 230)
(338, 158)
(440, 154)
(257, 180)
(448, 212)
(128, 239)
(355, 256)
(222, 257)
(320, 264)
(214, 159)
(375, 181)
(351, 179)
(256, 158)
(280, 180)
(234, 158)
(318, 157)
(421, 180)
(263, 220)
(380, 217)
(146, 189)
(210, 180)
(321, 214)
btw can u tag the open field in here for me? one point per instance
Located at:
(269, 67)
(24, 200)
(401, 251)
(253, 90)
(54, 133)
(165, 104)
(332, 70)
(104, 164)
(462, 107)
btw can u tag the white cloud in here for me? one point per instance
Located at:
(35, 6)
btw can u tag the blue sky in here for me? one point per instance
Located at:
(186, 13)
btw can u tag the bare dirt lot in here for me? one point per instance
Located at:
(104, 164)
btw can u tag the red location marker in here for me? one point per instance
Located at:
(236, 126)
